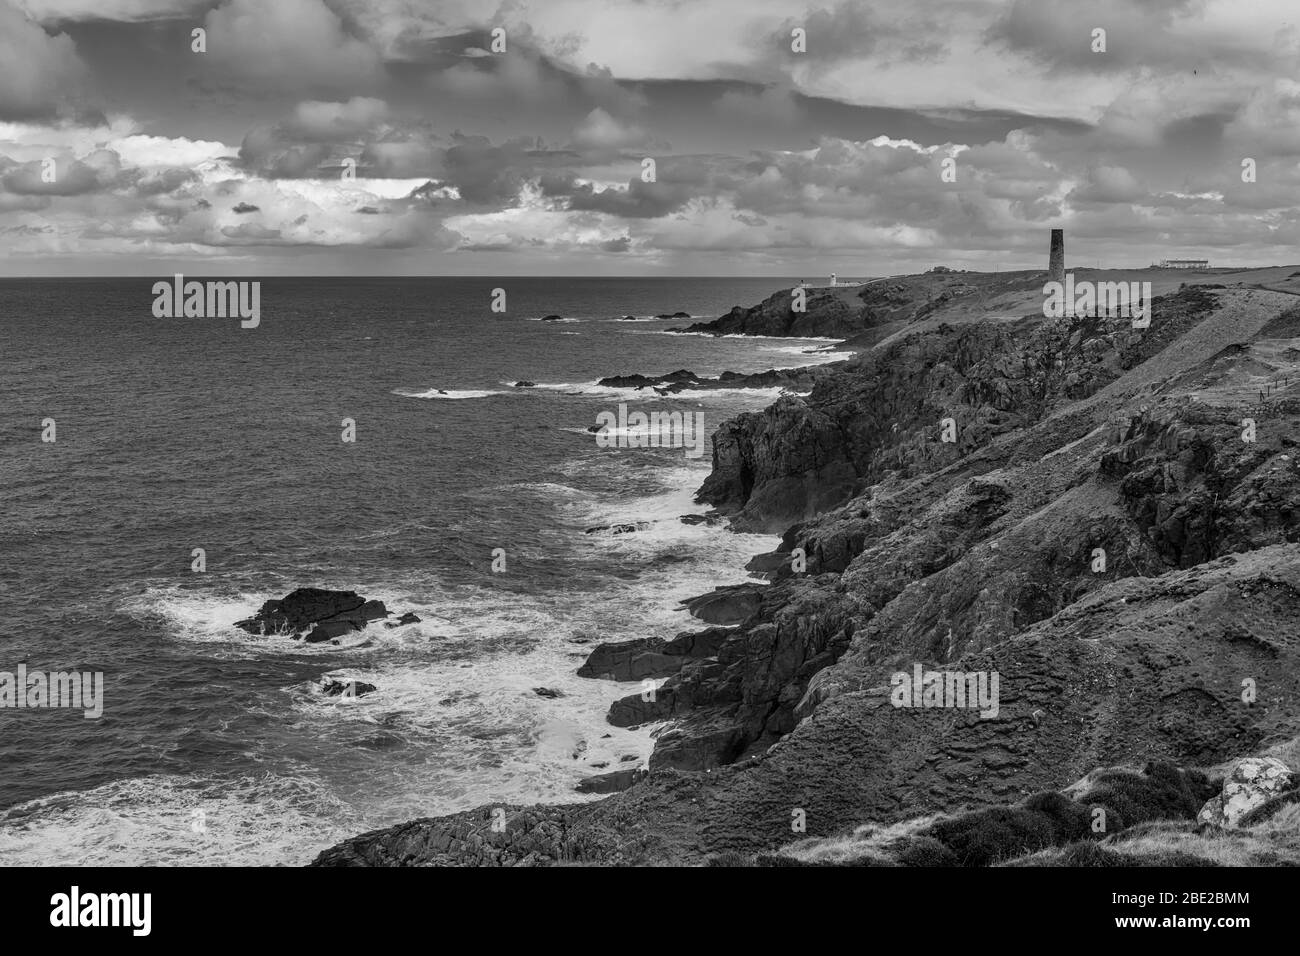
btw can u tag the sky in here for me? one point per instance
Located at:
(643, 137)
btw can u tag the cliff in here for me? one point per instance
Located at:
(1099, 533)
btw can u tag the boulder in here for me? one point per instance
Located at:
(1252, 783)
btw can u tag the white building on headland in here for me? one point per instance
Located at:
(836, 282)
(1185, 264)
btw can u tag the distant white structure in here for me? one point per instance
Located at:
(1185, 264)
(835, 283)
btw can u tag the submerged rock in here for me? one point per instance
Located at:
(407, 618)
(333, 687)
(618, 528)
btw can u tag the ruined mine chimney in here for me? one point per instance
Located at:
(1056, 257)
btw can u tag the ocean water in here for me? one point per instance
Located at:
(175, 434)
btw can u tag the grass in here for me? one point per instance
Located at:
(1150, 820)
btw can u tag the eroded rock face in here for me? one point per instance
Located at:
(1197, 491)
(1252, 783)
(882, 413)
(944, 563)
(775, 467)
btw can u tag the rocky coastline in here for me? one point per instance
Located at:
(1070, 504)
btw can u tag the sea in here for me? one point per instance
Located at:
(217, 747)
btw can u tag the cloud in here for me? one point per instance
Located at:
(484, 173)
(48, 11)
(294, 44)
(1138, 33)
(1108, 184)
(268, 152)
(402, 154)
(333, 120)
(636, 200)
(317, 134)
(37, 71)
(600, 131)
(65, 177)
(853, 30)
(772, 105)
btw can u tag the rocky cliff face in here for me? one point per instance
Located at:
(865, 313)
(1101, 534)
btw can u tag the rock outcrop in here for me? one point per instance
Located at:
(1251, 784)
(333, 687)
(321, 615)
(674, 383)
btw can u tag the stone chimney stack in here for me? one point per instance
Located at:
(1056, 257)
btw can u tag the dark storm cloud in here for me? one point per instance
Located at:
(493, 174)
(316, 133)
(639, 200)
